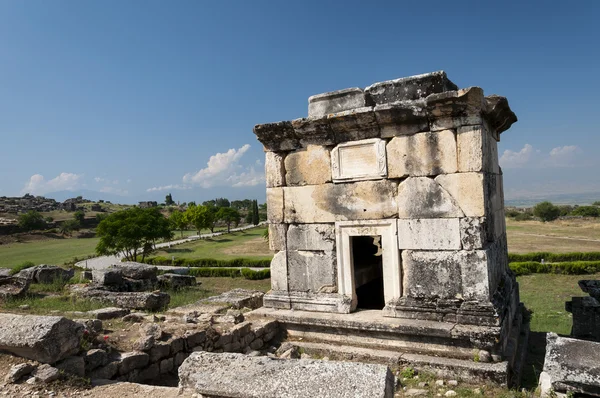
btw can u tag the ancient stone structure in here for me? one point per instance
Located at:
(586, 311)
(390, 199)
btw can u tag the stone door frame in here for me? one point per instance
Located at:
(392, 266)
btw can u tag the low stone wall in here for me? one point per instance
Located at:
(164, 357)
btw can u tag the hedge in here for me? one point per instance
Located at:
(567, 268)
(554, 257)
(209, 262)
(245, 273)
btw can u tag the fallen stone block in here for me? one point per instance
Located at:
(49, 273)
(241, 376)
(151, 301)
(46, 373)
(95, 358)
(46, 339)
(73, 365)
(239, 298)
(107, 277)
(109, 313)
(13, 286)
(18, 371)
(571, 366)
(175, 281)
(135, 270)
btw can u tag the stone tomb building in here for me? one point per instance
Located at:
(386, 212)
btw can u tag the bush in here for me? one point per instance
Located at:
(208, 262)
(546, 211)
(567, 268)
(512, 213)
(554, 257)
(586, 211)
(21, 267)
(246, 273)
(523, 217)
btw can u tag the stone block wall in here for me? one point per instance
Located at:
(417, 151)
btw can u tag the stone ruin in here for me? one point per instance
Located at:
(386, 212)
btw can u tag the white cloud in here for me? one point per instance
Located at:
(167, 187)
(248, 178)
(223, 169)
(562, 156)
(512, 159)
(116, 191)
(38, 185)
(106, 180)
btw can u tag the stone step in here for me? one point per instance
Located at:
(442, 367)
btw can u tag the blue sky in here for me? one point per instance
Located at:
(130, 97)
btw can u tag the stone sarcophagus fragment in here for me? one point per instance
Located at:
(390, 199)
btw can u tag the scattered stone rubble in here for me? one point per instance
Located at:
(586, 311)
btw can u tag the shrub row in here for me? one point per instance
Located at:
(245, 273)
(554, 257)
(567, 268)
(208, 262)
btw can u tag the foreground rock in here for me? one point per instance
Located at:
(149, 301)
(45, 339)
(176, 281)
(239, 298)
(240, 376)
(44, 273)
(571, 366)
(13, 286)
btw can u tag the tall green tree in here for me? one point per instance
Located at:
(255, 217)
(31, 220)
(132, 232)
(79, 216)
(200, 217)
(169, 200)
(546, 211)
(228, 215)
(178, 220)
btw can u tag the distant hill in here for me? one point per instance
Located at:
(562, 199)
(94, 196)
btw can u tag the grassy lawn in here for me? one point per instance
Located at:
(51, 251)
(545, 295)
(558, 236)
(213, 287)
(248, 244)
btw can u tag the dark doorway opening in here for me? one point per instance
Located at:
(368, 271)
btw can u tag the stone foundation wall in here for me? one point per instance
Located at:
(416, 150)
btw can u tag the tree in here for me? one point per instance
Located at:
(200, 217)
(586, 211)
(68, 226)
(132, 231)
(546, 211)
(178, 220)
(169, 200)
(228, 215)
(255, 218)
(596, 203)
(31, 220)
(222, 202)
(79, 216)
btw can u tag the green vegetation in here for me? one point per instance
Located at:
(31, 220)
(554, 257)
(131, 231)
(248, 244)
(209, 262)
(546, 211)
(586, 211)
(229, 216)
(51, 251)
(245, 273)
(567, 268)
(545, 295)
(43, 305)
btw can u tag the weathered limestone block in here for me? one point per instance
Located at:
(586, 317)
(499, 114)
(311, 271)
(13, 286)
(571, 366)
(467, 189)
(279, 271)
(239, 298)
(336, 101)
(278, 136)
(275, 205)
(274, 170)
(44, 339)
(410, 88)
(422, 197)
(243, 376)
(353, 125)
(132, 360)
(402, 118)
(175, 281)
(311, 237)
(134, 270)
(472, 232)
(453, 109)
(446, 274)
(359, 160)
(277, 236)
(314, 131)
(327, 203)
(422, 154)
(477, 150)
(108, 277)
(310, 166)
(74, 365)
(429, 234)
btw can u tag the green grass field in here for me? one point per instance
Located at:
(248, 244)
(51, 251)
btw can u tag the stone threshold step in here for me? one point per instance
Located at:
(467, 370)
